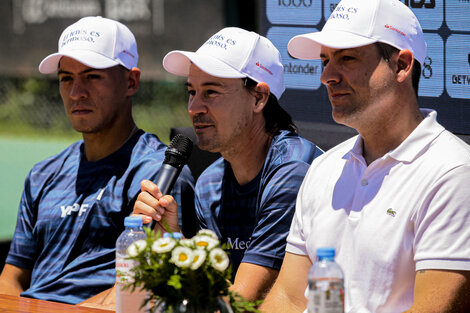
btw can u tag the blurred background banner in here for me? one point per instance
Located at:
(445, 74)
(31, 28)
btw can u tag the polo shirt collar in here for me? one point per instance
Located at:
(413, 145)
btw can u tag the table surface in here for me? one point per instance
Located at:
(12, 304)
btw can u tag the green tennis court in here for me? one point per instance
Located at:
(17, 156)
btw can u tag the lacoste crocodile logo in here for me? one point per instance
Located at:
(391, 212)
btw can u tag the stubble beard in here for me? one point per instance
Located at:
(347, 114)
(222, 145)
(207, 144)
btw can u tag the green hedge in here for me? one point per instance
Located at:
(32, 107)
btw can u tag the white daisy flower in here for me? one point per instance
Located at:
(186, 243)
(182, 256)
(207, 232)
(199, 256)
(162, 245)
(219, 259)
(203, 241)
(136, 247)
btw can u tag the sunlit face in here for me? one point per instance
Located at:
(220, 109)
(93, 98)
(358, 81)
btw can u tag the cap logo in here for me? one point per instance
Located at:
(391, 212)
(220, 41)
(263, 68)
(79, 35)
(342, 12)
(395, 30)
(128, 53)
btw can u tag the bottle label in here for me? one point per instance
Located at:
(124, 274)
(326, 296)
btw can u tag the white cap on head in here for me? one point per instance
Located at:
(233, 53)
(356, 23)
(97, 42)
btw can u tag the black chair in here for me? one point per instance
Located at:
(324, 135)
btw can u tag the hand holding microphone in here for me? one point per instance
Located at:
(153, 200)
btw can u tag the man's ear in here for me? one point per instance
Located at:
(133, 81)
(262, 95)
(405, 64)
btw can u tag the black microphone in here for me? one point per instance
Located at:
(176, 156)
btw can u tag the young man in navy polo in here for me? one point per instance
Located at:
(74, 203)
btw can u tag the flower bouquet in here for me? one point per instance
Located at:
(185, 275)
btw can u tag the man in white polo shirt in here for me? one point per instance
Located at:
(394, 200)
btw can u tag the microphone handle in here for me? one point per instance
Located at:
(165, 181)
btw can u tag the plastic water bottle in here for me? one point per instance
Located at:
(326, 284)
(127, 301)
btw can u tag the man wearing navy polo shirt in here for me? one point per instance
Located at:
(247, 197)
(74, 203)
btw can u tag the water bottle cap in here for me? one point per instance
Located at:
(133, 221)
(326, 252)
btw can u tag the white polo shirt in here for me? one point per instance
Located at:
(406, 211)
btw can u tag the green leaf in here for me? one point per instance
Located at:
(166, 226)
(175, 281)
(240, 305)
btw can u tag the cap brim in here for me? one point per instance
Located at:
(308, 46)
(178, 62)
(50, 64)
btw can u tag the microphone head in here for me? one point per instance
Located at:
(178, 152)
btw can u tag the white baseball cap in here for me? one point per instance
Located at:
(233, 53)
(97, 42)
(356, 23)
